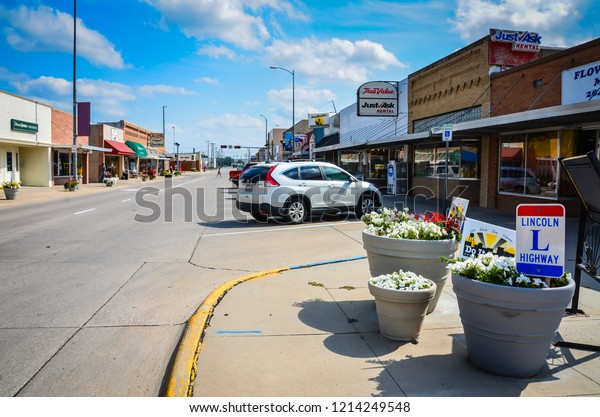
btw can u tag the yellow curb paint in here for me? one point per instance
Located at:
(183, 373)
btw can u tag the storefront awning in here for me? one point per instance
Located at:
(572, 115)
(80, 147)
(152, 153)
(118, 148)
(138, 148)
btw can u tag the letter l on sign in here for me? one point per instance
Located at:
(540, 246)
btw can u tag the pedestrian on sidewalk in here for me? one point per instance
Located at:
(102, 172)
(219, 172)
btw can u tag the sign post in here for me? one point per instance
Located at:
(540, 245)
(446, 137)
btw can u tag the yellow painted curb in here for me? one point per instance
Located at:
(183, 373)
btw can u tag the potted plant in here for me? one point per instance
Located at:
(401, 300)
(509, 319)
(11, 188)
(71, 185)
(109, 181)
(400, 240)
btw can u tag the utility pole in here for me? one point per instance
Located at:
(74, 90)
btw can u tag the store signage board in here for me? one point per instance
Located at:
(581, 84)
(540, 249)
(22, 126)
(377, 98)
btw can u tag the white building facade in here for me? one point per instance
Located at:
(25, 141)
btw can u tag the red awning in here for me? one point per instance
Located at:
(118, 147)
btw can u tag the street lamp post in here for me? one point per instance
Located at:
(74, 150)
(164, 133)
(177, 155)
(293, 102)
(266, 137)
(175, 144)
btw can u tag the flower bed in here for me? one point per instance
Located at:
(500, 270)
(404, 225)
(402, 281)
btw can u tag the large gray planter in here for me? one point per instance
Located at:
(401, 312)
(509, 330)
(387, 255)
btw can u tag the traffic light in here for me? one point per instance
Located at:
(223, 146)
(236, 146)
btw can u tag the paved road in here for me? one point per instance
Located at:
(93, 299)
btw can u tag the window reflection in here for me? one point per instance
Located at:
(463, 160)
(529, 162)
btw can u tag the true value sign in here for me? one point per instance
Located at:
(540, 248)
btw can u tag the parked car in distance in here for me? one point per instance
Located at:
(519, 180)
(296, 190)
(234, 174)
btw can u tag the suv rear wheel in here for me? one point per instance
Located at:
(297, 211)
(366, 204)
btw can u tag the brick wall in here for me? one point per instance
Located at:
(514, 91)
(456, 82)
(62, 129)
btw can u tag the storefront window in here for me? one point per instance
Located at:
(463, 160)
(9, 161)
(529, 162)
(351, 162)
(62, 164)
(378, 159)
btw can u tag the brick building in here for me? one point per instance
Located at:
(511, 119)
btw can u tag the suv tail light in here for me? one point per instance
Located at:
(269, 180)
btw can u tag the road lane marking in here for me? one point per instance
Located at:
(85, 211)
(129, 199)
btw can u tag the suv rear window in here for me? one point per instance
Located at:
(254, 174)
(291, 173)
(310, 173)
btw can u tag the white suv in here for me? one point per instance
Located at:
(296, 189)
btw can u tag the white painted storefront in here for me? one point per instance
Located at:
(25, 141)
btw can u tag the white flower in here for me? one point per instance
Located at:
(403, 281)
(498, 270)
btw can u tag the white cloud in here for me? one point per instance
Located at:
(550, 18)
(107, 98)
(47, 29)
(335, 59)
(217, 52)
(226, 20)
(150, 90)
(305, 100)
(207, 80)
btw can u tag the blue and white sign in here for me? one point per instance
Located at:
(581, 84)
(447, 133)
(540, 249)
(391, 178)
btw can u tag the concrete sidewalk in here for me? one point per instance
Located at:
(313, 332)
(29, 194)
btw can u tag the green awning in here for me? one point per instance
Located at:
(138, 148)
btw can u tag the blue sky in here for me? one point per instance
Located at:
(208, 60)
